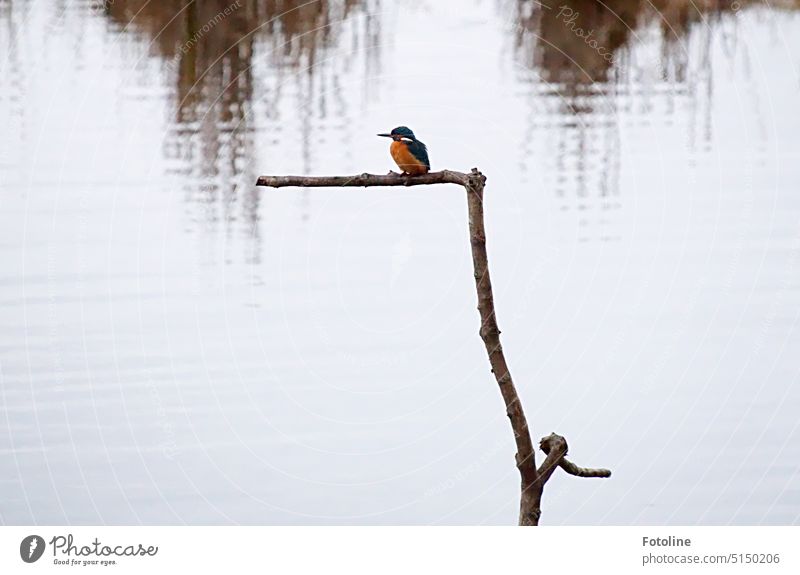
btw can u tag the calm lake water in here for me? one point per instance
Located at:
(179, 346)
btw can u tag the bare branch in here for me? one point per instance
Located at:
(364, 180)
(490, 333)
(554, 446)
(573, 469)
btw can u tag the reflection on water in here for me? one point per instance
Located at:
(579, 42)
(208, 49)
(586, 61)
(180, 346)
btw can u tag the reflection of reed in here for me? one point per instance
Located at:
(582, 58)
(548, 38)
(12, 91)
(209, 49)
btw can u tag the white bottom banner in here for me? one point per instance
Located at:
(401, 550)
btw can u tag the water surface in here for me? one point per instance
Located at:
(178, 346)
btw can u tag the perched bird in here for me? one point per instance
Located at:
(409, 154)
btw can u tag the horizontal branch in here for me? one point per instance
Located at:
(573, 469)
(364, 180)
(555, 447)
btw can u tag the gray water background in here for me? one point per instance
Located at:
(178, 346)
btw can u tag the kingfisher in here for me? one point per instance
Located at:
(409, 154)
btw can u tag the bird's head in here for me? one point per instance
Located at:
(400, 133)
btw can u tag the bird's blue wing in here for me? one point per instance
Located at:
(420, 152)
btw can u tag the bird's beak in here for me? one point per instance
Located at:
(385, 135)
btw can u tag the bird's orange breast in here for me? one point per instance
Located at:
(405, 160)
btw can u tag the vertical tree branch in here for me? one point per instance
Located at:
(529, 511)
